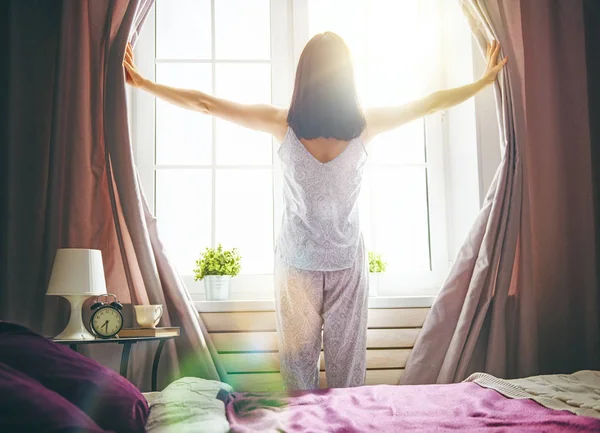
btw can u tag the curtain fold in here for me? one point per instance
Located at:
(33, 27)
(521, 298)
(72, 181)
(152, 278)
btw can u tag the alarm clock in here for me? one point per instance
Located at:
(107, 319)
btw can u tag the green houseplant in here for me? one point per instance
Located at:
(216, 266)
(376, 267)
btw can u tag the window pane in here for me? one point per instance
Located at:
(344, 17)
(242, 29)
(244, 211)
(183, 211)
(183, 136)
(247, 83)
(405, 145)
(400, 218)
(391, 25)
(183, 29)
(400, 50)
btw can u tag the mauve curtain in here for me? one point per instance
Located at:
(521, 298)
(71, 181)
(591, 13)
(32, 27)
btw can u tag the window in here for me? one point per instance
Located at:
(212, 182)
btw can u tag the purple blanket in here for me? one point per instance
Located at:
(462, 407)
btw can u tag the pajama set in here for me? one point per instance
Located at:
(321, 275)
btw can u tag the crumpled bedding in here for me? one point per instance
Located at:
(460, 407)
(192, 404)
(578, 393)
(188, 405)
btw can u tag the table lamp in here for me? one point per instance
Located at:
(77, 274)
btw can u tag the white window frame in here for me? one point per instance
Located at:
(286, 47)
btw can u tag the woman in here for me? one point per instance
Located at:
(321, 276)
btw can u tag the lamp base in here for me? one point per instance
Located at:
(75, 329)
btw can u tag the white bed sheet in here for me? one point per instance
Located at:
(188, 405)
(578, 393)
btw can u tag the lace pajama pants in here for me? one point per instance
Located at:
(326, 308)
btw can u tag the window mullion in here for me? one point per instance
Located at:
(213, 240)
(300, 30)
(143, 127)
(227, 61)
(282, 73)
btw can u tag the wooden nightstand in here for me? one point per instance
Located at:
(127, 343)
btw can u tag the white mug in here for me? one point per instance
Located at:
(148, 316)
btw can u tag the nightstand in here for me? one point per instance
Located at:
(127, 343)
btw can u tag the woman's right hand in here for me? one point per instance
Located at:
(132, 75)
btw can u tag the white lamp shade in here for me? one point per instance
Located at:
(77, 272)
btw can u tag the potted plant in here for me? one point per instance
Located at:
(376, 266)
(216, 266)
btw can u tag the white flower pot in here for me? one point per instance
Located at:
(373, 284)
(216, 287)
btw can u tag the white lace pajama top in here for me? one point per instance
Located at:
(320, 228)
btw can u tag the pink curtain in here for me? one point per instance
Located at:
(85, 191)
(521, 298)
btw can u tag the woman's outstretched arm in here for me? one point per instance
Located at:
(260, 117)
(382, 119)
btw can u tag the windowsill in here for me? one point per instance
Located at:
(379, 302)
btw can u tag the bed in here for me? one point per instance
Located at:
(46, 387)
(482, 403)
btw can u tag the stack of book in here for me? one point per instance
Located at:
(148, 332)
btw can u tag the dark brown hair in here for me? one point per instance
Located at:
(325, 102)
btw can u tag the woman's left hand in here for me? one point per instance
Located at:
(132, 75)
(493, 65)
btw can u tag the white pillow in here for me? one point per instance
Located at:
(189, 405)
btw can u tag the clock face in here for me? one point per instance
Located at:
(107, 321)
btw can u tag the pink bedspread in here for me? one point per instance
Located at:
(463, 407)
